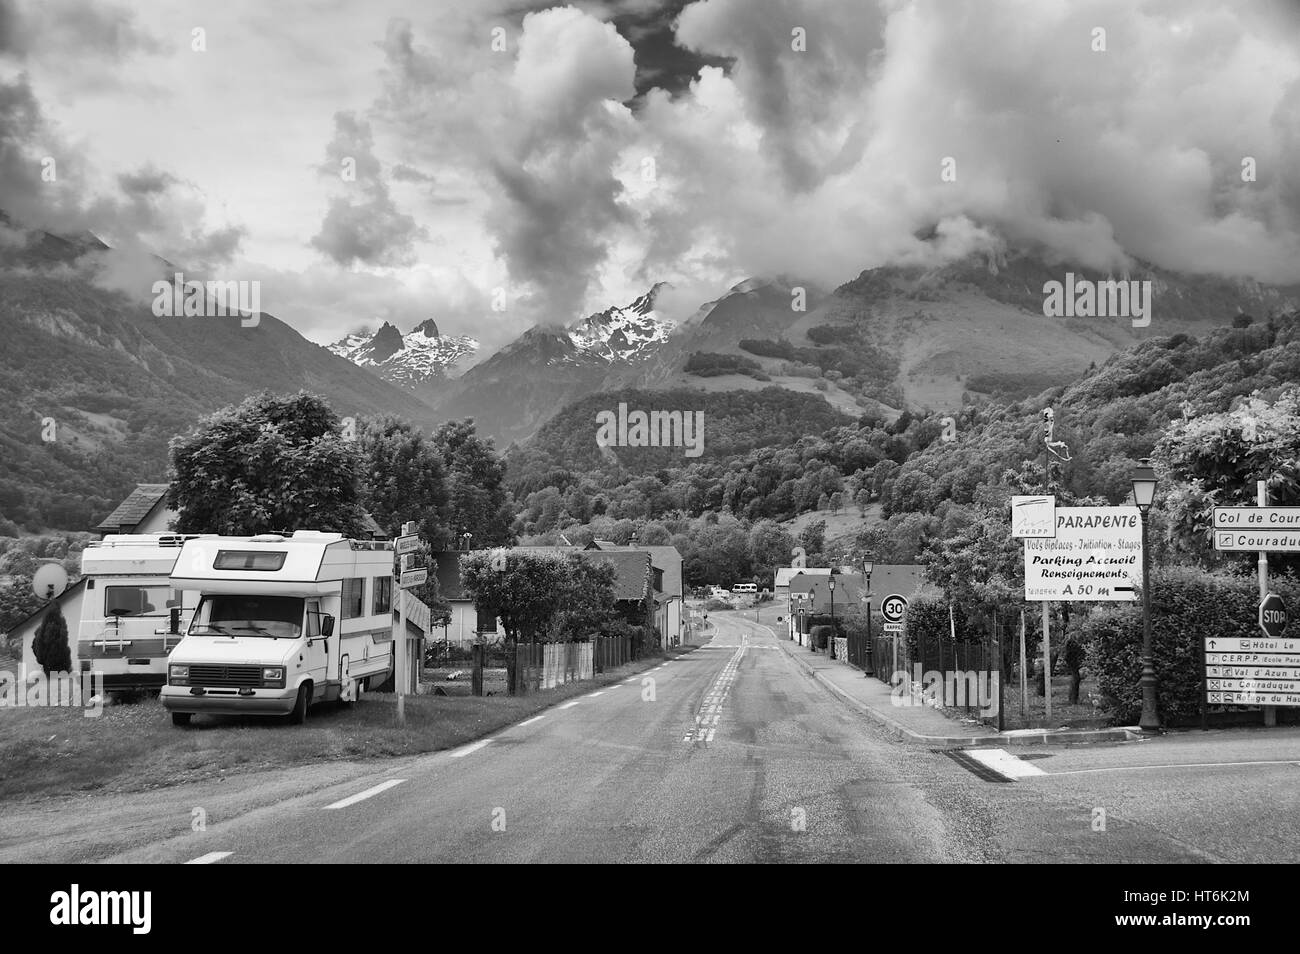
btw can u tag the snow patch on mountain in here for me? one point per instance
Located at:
(418, 357)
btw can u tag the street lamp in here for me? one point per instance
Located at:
(1144, 492)
(867, 662)
(830, 641)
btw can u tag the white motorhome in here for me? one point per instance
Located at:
(281, 622)
(130, 617)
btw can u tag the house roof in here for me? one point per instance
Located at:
(664, 558)
(631, 571)
(62, 600)
(784, 574)
(138, 505)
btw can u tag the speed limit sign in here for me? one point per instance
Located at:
(892, 608)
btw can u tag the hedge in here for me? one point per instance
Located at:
(1186, 607)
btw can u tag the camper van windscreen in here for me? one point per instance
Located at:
(249, 560)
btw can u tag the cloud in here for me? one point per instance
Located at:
(828, 161)
(71, 28)
(363, 226)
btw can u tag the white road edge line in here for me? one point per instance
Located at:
(570, 705)
(1004, 763)
(533, 719)
(209, 858)
(368, 793)
(472, 747)
(1173, 765)
(593, 695)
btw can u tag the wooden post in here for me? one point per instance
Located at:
(1024, 675)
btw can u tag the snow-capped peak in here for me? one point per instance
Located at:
(415, 358)
(625, 333)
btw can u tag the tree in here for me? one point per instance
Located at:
(479, 503)
(769, 546)
(813, 540)
(523, 589)
(50, 645)
(403, 478)
(586, 606)
(275, 462)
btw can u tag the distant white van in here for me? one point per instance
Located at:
(745, 588)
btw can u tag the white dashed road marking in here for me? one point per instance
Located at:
(474, 747)
(570, 705)
(532, 720)
(209, 858)
(362, 796)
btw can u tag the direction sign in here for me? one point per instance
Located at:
(1095, 555)
(1257, 518)
(1272, 616)
(1276, 541)
(411, 578)
(407, 544)
(1033, 517)
(1243, 671)
(892, 607)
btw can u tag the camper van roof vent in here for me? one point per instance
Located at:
(266, 538)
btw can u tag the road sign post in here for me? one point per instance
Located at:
(402, 549)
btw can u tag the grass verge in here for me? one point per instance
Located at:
(134, 747)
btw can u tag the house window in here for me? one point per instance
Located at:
(354, 591)
(383, 590)
(487, 621)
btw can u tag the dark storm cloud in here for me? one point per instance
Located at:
(73, 27)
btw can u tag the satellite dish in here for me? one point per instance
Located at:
(49, 581)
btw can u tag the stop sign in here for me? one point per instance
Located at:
(1272, 615)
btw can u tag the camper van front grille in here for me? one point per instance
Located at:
(237, 676)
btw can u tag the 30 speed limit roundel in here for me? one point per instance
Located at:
(893, 607)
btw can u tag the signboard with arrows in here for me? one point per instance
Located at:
(1252, 672)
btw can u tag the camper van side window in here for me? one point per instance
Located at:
(354, 591)
(249, 559)
(383, 589)
(135, 600)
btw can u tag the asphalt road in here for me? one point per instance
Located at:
(733, 753)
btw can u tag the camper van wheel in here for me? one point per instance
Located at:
(182, 718)
(299, 714)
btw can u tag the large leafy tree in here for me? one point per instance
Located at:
(274, 462)
(523, 589)
(478, 500)
(403, 478)
(586, 607)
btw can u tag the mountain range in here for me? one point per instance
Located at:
(422, 357)
(890, 339)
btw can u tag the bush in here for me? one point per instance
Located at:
(1186, 607)
(820, 634)
(50, 646)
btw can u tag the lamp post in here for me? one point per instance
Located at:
(868, 663)
(1144, 492)
(830, 641)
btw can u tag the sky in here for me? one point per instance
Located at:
(497, 165)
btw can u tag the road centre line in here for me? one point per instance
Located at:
(362, 796)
